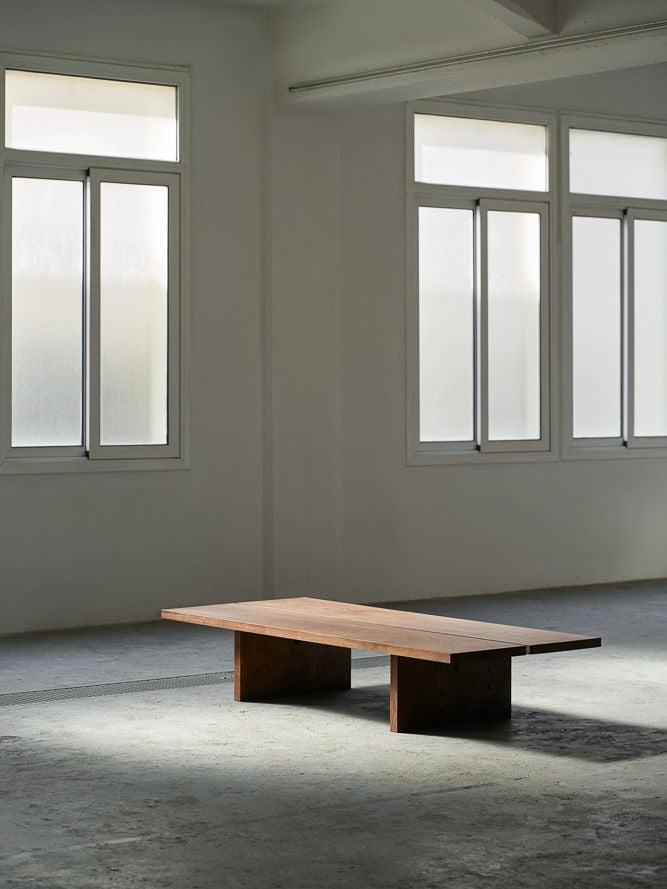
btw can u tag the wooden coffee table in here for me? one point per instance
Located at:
(444, 670)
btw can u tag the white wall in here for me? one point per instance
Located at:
(78, 550)
(351, 519)
(301, 488)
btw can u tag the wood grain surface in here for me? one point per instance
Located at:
(536, 641)
(406, 633)
(269, 667)
(426, 694)
(256, 617)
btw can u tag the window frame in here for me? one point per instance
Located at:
(505, 446)
(57, 165)
(632, 215)
(455, 449)
(19, 171)
(627, 209)
(595, 212)
(109, 452)
(465, 197)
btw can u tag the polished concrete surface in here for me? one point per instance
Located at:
(114, 775)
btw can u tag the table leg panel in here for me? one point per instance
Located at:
(428, 693)
(269, 667)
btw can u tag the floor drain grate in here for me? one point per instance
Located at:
(113, 688)
(47, 695)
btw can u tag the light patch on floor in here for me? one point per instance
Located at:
(177, 786)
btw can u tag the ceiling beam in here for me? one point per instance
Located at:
(530, 18)
(541, 60)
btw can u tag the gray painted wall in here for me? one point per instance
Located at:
(78, 550)
(636, 92)
(301, 488)
(352, 519)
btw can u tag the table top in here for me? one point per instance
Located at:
(404, 633)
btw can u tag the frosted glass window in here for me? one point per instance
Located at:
(513, 326)
(86, 115)
(618, 164)
(650, 314)
(47, 281)
(480, 153)
(596, 327)
(446, 355)
(133, 313)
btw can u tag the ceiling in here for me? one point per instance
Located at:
(393, 50)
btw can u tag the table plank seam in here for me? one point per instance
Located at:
(571, 639)
(486, 648)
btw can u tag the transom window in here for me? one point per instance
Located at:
(92, 231)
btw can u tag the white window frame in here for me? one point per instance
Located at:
(32, 171)
(524, 446)
(480, 199)
(627, 209)
(595, 212)
(95, 168)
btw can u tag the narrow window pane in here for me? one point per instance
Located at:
(481, 153)
(47, 297)
(133, 314)
(86, 115)
(618, 164)
(514, 325)
(446, 379)
(650, 328)
(596, 327)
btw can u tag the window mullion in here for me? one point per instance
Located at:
(93, 316)
(628, 363)
(481, 323)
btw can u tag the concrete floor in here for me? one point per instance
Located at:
(163, 784)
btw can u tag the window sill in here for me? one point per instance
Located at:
(613, 452)
(477, 458)
(67, 465)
